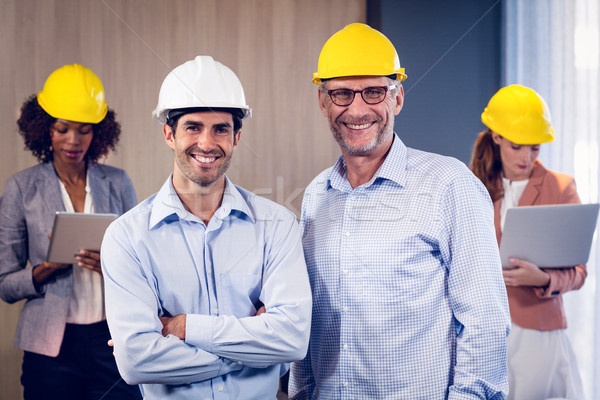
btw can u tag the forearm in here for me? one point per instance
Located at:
(562, 280)
(15, 279)
(257, 341)
(481, 310)
(280, 334)
(142, 353)
(480, 371)
(133, 309)
(17, 285)
(477, 295)
(45, 272)
(152, 358)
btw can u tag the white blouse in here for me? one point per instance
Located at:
(87, 298)
(513, 190)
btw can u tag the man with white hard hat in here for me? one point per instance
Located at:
(207, 294)
(409, 301)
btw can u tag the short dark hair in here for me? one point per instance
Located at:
(174, 115)
(35, 124)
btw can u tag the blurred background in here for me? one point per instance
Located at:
(457, 54)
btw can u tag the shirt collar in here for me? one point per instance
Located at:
(392, 169)
(234, 203)
(167, 205)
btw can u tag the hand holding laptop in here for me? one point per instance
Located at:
(549, 236)
(525, 273)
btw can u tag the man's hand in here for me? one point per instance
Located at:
(525, 274)
(174, 326)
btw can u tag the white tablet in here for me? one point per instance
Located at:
(550, 236)
(74, 231)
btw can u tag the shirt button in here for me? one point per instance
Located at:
(346, 384)
(353, 197)
(345, 272)
(209, 271)
(240, 363)
(220, 388)
(346, 309)
(216, 312)
(345, 347)
(347, 234)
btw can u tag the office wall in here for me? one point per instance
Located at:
(273, 46)
(452, 54)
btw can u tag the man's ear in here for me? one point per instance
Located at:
(169, 136)
(322, 102)
(399, 100)
(236, 138)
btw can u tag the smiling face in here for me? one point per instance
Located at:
(362, 129)
(70, 142)
(203, 144)
(517, 159)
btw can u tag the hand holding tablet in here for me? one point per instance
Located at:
(72, 232)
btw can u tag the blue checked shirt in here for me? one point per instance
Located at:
(158, 259)
(408, 296)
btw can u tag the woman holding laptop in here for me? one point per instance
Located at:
(62, 327)
(541, 362)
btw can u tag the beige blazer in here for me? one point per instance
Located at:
(542, 308)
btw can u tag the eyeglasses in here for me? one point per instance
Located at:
(371, 95)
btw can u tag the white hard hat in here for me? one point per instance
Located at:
(201, 82)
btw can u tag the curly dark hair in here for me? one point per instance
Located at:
(35, 123)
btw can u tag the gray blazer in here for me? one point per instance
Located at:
(30, 199)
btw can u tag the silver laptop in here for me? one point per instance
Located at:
(549, 236)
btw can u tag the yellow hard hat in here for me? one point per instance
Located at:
(75, 93)
(358, 50)
(520, 115)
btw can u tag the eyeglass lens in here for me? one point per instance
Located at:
(345, 97)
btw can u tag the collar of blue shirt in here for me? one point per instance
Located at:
(393, 169)
(168, 205)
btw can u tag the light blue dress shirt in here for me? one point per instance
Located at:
(409, 300)
(160, 260)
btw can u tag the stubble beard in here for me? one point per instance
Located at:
(360, 150)
(188, 170)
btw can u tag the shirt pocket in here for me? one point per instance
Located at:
(239, 293)
(399, 269)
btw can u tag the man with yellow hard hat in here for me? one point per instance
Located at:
(408, 296)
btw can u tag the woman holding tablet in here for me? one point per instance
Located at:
(62, 327)
(541, 362)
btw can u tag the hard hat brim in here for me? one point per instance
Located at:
(317, 79)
